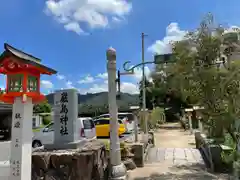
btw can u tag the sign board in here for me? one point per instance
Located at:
(164, 58)
(198, 107)
(188, 110)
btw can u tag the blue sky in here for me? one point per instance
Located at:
(72, 35)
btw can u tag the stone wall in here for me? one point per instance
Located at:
(88, 163)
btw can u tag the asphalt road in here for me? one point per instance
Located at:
(4, 150)
(4, 159)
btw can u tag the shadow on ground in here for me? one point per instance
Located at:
(192, 144)
(185, 172)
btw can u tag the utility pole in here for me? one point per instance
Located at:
(144, 87)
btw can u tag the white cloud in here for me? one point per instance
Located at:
(69, 85)
(88, 79)
(126, 87)
(66, 83)
(130, 88)
(95, 13)
(173, 33)
(73, 26)
(47, 84)
(60, 77)
(232, 29)
(138, 73)
(116, 19)
(103, 75)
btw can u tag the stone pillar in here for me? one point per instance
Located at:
(136, 127)
(21, 145)
(118, 170)
(200, 125)
(66, 131)
(190, 123)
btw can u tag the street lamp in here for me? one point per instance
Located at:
(129, 70)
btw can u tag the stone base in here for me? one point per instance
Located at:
(72, 145)
(138, 151)
(118, 172)
(86, 163)
(151, 138)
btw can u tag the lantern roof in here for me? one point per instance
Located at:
(24, 58)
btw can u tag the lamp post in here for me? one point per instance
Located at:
(129, 70)
(118, 169)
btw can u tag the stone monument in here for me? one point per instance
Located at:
(65, 116)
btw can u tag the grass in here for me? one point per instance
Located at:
(38, 129)
(107, 144)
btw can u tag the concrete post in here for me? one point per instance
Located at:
(190, 123)
(118, 170)
(200, 125)
(21, 145)
(136, 127)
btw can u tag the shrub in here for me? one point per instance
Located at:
(46, 120)
(154, 117)
(107, 145)
(157, 116)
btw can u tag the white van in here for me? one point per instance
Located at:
(86, 130)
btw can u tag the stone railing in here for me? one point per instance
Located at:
(88, 163)
(211, 153)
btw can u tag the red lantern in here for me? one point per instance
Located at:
(23, 75)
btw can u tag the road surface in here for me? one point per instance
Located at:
(4, 150)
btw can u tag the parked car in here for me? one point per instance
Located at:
(86, 129)
(103, 127)
(126, 117)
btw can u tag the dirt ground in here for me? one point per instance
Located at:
(173, 138)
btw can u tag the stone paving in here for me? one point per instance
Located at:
(174, 155)
(174, 158)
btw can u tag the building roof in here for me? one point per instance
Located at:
(23, 57)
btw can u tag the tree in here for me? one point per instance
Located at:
(197, 78)
(149, 96)
(43, 107)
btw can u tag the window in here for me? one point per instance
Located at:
(15, 83)
(88, 124)
(102, 122)
(104, 116)
(121, 116)
(50, 127)
(92, 124)
(32, 84)
(129, 116)
(120, 122)
(34, 122)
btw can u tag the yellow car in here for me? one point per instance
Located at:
(103, 127)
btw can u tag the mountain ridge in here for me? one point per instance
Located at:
(101, 99)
